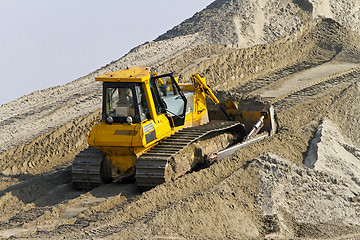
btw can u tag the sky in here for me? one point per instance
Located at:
(45, 43)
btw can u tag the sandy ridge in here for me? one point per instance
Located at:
(266, 186)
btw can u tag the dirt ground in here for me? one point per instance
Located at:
(303, 182)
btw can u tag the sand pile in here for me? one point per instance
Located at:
(306, 203)
(346, 13)
(318, 43)
(244, 23)
(301, 182)
(322, 198)
(331, 153)
(345, 112)
(184, 50)
(269, 21)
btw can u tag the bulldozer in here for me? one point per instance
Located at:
(154, 129)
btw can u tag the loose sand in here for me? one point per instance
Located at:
(303, 182)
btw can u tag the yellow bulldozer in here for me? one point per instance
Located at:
(155, 129)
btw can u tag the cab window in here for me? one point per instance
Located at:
(143, 106)
(119, 102)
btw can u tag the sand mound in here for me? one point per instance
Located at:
(305, 202)
(26, 119)
(345, 112)
(263, 191)
(331, 153)
(225, 69)
(245, 23)
(318, 198)
(242, 23)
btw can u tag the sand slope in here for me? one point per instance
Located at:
(300, 183)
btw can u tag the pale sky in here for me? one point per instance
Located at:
(45, 43)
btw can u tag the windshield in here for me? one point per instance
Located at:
(120, 102)
(123, 100)
(169, 95)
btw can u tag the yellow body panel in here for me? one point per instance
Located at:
(123, 158)
(103, 134)
(129, 135)
(150, 101)
(137, 74)
(123, 143)
(186, 87)
(202, 84)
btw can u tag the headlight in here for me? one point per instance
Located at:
(129, 119)
(109, 119)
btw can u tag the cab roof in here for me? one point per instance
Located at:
(135, 74)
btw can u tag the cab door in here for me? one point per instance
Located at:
(169, 99)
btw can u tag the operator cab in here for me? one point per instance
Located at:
(127, 101)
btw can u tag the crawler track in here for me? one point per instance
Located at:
(86, 168)
(151, 166)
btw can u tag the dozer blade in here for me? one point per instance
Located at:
(251, 138)
(258, 119)
(248, 115)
